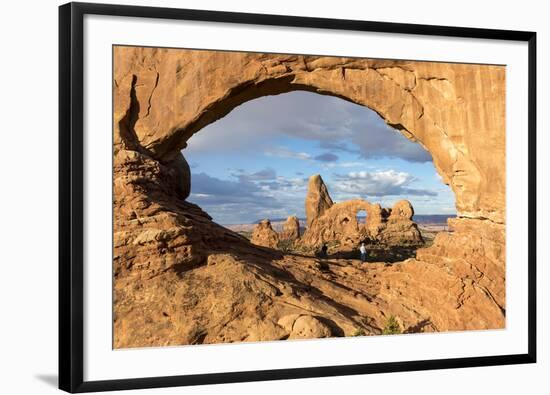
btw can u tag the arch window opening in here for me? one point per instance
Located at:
(361, 217)
(257, 164)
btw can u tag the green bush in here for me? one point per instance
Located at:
(359, 332)
(286, 245)
(392, 327)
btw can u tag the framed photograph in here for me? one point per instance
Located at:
(251, 197)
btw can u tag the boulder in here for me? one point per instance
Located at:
(304, 326)
(307, 327)
(264, 235)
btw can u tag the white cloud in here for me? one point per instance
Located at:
(337, 125)
(248, 197)
(334, 165)
(284, 152)
(381, 183)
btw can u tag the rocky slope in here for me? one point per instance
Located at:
(239, 296)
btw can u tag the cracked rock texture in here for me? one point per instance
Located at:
(182, 279)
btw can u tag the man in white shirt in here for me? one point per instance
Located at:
(363, 251)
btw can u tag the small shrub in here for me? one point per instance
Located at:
(286, 245)
(392, 327)
(359, 332)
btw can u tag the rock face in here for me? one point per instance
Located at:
(155, 230)
(391, 227)
(264, 235)
(179, 278)
(477, 254)
(241, 296)
(291, 229)
(317, 200)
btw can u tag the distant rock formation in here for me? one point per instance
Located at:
(317, 200)
(264, 235)
(338, 222)
(291, 229)
(400, 228)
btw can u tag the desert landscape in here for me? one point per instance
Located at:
(181, 278)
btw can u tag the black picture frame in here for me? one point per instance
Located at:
(71, 223)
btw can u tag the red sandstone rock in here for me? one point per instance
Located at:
(317, 200)
(456, 111)
(291, 229)
(339, 223)
(264, 235)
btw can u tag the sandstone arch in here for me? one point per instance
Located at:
(338, 222)
(163, 96)
(456, 111)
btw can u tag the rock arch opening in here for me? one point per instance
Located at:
(361, 217)
(263, 172)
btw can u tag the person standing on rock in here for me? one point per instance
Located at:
(324, 250)
(363, 251)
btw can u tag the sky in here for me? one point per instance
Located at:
(255, 162)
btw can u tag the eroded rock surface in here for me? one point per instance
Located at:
(155, 230)
(400, 229)
(476, 249)
(317, 199)
(264, 235)
(243, 297)
(291, 229)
